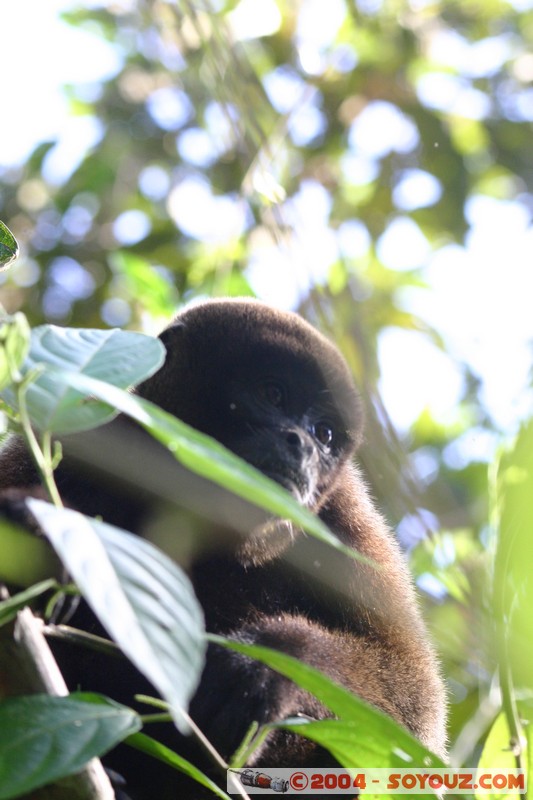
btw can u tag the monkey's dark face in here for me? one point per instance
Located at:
(287, 429)
(267, 386)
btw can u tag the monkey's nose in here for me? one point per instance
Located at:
(294, 439)
(300, 444)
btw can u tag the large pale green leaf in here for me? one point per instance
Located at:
(45, 738)
(121, 358)
(144, 600)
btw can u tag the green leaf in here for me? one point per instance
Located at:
(144, 600)
(496, 751)
(9, 608)
(144, 743)
(121, 358)
(362, 736)
(14, 346)
(9, 248)
(45, 738)
(368, 742)
(497, 754)
(513, 587)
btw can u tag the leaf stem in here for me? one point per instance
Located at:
(42, 455)
(252, 741)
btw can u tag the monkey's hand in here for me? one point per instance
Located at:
(236, 691)
(13, 506)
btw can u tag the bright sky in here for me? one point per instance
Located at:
(480, 297)
(39, 53)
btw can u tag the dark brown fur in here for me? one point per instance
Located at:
(359, 625)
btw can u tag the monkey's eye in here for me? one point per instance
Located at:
(324, 433)
(272, 393)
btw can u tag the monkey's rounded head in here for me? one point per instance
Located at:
(267, 385)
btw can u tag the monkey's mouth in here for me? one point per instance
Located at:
(301, 491)
(299, 482)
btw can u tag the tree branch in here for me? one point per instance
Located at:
(27, 666)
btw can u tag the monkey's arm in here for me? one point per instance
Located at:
(395, 641)
(359, 625)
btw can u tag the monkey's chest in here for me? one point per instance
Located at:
(231, 594)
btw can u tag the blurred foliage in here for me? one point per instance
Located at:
(513, 588)
(249, 150)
